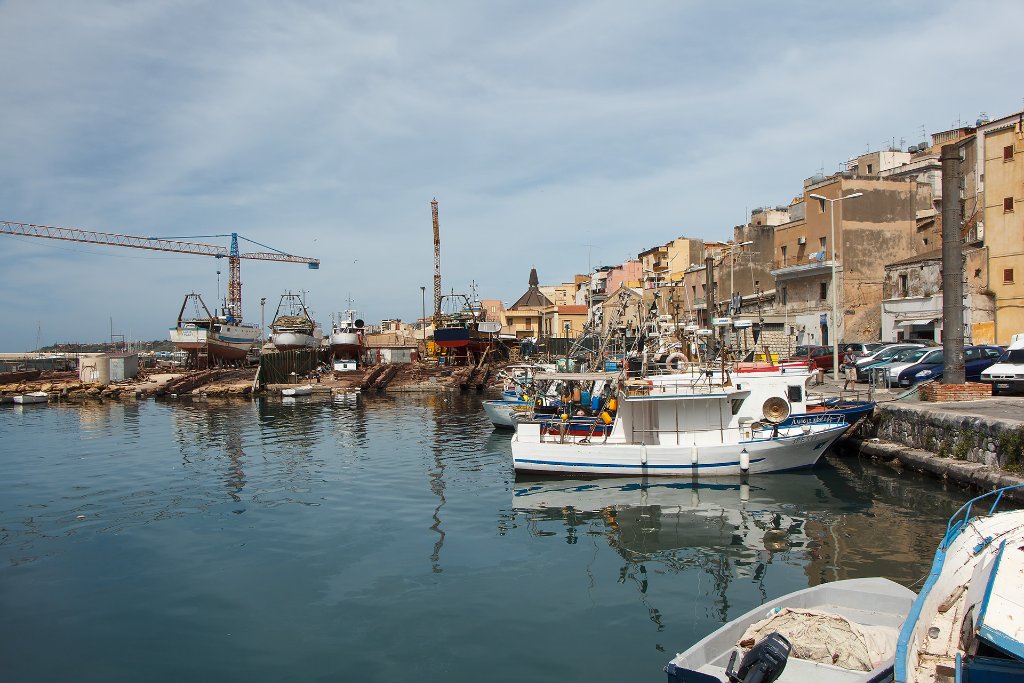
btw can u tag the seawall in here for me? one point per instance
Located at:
(977, 443)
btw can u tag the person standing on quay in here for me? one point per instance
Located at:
(849, 368)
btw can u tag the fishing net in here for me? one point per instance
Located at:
(828, 638)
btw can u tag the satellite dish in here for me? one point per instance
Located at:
(775, 409)
(359, 322)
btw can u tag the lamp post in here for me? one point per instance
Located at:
(423, 319)
(835, 293)
(263, 325)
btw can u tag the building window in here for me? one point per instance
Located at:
(785, 296)
(823, 290)
(783, 255)
(1007, 204)
(1007, 276)
(904, 285)
(1008, 153)
(821, 243)
(869, 168)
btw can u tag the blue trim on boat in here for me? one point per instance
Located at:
(633, 466)
(1008, 644)
(953, 529)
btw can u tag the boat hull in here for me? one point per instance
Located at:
(232, 345)
(287, 341)
(34, 397)
(502, 413)
(795, 450)
(345, 345)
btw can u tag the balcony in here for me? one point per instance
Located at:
(794, 268)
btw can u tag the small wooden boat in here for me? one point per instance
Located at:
(840, 631)
(32, 397)
(965, 624)
(304, 390)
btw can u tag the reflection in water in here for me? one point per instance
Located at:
(148, 527)
(728, 530)
(437, 405)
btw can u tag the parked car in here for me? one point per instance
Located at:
(819, 357)
(882, 355)
(860, 348)
(976, 360)
(1007, 374)
(901, 361)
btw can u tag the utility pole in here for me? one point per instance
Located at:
(952, 269)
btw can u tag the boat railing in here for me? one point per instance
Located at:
(963, 516)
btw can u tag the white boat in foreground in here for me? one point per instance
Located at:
(32, 397)
(966, 625)
(685, 425)
(304, 390)
(840, 631)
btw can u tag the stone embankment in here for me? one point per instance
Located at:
(979, 443)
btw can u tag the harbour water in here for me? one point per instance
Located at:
(387, 539)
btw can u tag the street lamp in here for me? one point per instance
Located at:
(423, 319)
(835, 293)
(263, 325)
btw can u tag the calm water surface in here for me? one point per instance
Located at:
(389, 540)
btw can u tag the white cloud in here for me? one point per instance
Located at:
(325, 130)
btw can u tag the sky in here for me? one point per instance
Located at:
(555, 135)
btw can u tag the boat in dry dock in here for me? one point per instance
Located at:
(347, 340)
(465, 332)
(215, 339)
(293, 327)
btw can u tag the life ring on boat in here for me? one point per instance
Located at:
(676, 361)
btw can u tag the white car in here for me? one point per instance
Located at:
(1008, 373)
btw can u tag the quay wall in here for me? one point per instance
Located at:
(978, 450)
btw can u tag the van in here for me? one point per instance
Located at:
(1007, 375)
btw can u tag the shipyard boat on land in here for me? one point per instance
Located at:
(293, 327)
(347, 340)
(466, 332)
(214, 338)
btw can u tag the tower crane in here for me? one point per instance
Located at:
(233, 310)
(437, 264)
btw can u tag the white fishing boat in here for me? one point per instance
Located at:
(293, 327)
(967, 624)
(694, 423)
(835, 632)
(219, 338)
(32, 397)
(346, 340)
(304, 390)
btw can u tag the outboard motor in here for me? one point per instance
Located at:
(763, 663)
